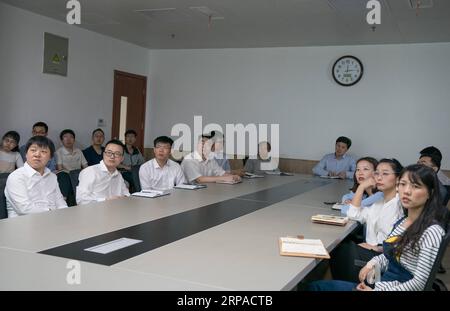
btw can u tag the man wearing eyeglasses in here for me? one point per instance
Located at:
(103, 181)
(161, 173)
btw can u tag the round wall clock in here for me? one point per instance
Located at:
(347, 70)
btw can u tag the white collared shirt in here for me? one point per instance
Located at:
(194, 167)
(379, 217)
(97, 184)
(70, 161)
(29, 192)
(152, 176)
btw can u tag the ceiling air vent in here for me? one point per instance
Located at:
(206, 11)
(422, 4)
(162, 14)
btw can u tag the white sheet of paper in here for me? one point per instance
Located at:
(112, 246)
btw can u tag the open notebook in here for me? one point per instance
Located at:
(151, 193)
(278, 173)
(250, 175)
(291, 246)
(329, 177)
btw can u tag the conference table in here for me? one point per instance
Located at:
(223, 237)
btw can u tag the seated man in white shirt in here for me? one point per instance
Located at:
(103, 181)
(200, 167)
(33, 188)
(161, 173)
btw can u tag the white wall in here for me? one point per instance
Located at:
(401, 105)
(76, 101)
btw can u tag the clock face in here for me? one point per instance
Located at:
(347, 70)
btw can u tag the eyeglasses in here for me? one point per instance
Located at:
(383, 174)
(110, 154)
(162, 147)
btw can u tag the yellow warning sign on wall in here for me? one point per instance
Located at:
(56, 59)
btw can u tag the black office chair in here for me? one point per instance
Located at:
(136, 186)
(3, 211)
(65, 185)
(433, 283)
(447, 198)
(74, 181)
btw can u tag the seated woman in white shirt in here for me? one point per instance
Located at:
(161, 172)
(365, 167)
(103, 181)
(10, 158)
(348, 258)
(33, 188)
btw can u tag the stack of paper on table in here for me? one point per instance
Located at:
(231, 182)
(330, 219)
(190, 186)
(290, 246)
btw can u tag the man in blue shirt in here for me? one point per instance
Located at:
(337, 164)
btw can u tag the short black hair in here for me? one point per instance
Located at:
(13, 135)
(164, 140)
(116, 142)
(66, 131)
(205, 135)
(131, 132)
(345, 140)
(97, 130)
(41, 124)
(434, 158)
(428, 151)
(41, 142)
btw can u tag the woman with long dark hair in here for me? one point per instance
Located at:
(411, 248)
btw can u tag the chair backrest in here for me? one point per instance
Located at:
(447, 198)
(135, 176)
(74, 180)
(437, 262)
(3, 211)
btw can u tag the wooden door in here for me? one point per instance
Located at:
(129, 102)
